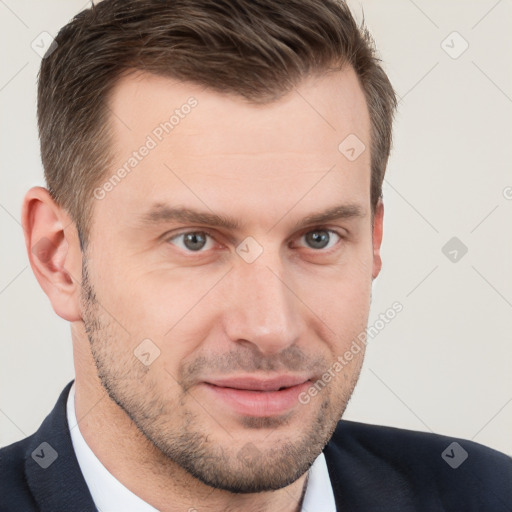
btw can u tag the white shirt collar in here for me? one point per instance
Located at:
(110, 495)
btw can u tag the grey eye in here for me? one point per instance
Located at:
(193, 241)
(320, 238)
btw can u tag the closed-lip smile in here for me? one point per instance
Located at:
(258, 396)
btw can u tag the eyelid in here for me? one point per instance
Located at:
(213, 233)
(341, 232)
(171, 236)
(323, 228)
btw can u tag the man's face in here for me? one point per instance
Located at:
(206, 334)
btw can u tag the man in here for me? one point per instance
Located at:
(211, 230)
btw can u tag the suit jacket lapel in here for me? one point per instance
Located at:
(51, 467)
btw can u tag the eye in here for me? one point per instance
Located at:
(193, 241)
(321, 238)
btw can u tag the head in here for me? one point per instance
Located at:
(213, 219)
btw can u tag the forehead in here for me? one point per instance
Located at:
(326, 109)
(205, 148)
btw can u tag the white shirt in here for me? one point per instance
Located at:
(110, 495)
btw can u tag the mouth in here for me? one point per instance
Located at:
(250, 396)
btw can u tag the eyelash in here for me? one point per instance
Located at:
(210, 235)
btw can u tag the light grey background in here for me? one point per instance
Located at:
(444, 363)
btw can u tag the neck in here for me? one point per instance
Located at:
(142, 468)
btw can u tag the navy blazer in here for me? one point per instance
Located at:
(372, 468)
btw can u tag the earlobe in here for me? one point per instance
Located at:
(378, 222)
(54, 251)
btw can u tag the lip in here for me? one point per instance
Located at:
(256, 397)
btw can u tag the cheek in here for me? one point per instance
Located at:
(347, 318)
(146, 304)
(341, 309)
(340, 295)
(349, 301)
(160, 314)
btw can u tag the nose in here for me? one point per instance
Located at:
(263, 310)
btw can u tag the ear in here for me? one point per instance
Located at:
(54, 251)
(378, 220)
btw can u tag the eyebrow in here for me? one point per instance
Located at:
(161, 213)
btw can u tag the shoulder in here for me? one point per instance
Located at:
(442, 469)
(29, 480)
(15, 491)
(403, 443)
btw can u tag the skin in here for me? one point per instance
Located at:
(296, 308)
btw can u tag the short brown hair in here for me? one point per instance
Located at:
(258, 49)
